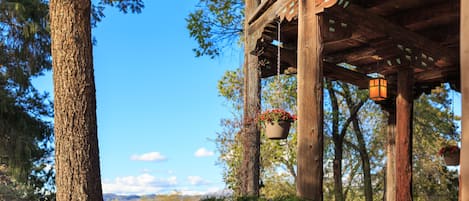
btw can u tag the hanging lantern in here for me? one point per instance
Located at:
(378, 89)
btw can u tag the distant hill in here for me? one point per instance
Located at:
(219, 194)
(111, 197)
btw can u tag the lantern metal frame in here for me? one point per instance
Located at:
(378, 89)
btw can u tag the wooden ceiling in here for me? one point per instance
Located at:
(373, 36)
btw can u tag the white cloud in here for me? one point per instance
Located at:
(196, 180)
(202, 152)
(145, 170)
(139, 185)
(151, 156)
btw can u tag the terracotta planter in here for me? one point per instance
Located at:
(277, 130)
(452, 159)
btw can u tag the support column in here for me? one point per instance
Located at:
(404, 103)
(464, 55)
(310, 104)
(252, 105)
(391, 154)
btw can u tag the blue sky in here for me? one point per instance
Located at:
(158, 105)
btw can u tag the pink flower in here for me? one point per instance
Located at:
(275, 115)
(448, 149)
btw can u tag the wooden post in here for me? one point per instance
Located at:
(404, 102)
(310, 104)
(252, 105)
(391, 154)
(464, 55)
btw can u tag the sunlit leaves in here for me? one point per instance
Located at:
(215, 24)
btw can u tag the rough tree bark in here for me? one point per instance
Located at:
(338, 144)
(76, 144)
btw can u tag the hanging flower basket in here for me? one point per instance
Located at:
(450, 154)
(277, 123)
(277, 130)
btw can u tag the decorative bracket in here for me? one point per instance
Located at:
(323, 4)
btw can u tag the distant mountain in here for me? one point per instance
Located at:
(218, 194)
(111, 197)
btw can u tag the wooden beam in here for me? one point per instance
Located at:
(428, 16)
(260, 10)
(250, 134)
(464, 55)
(385, 8)
(310, 104)
(404, 102)
(437, 75)
(413, 41)
(345, 75)
(330, 70)
(256, 27)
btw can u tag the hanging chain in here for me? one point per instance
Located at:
(278, 64)
(453, 126)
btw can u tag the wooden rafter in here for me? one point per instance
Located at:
(368, 20)
(389, 7)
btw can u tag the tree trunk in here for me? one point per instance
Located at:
(338, 144)
(78, 175)
(353, 108)
(390, 185)
(365, 161)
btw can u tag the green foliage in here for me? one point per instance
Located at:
(125, 6)
(215, 24)
(434, 128)
(25, 137)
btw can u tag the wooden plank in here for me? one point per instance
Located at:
(310, 104)
(404, 102)
(464, 55)
(367, 20)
